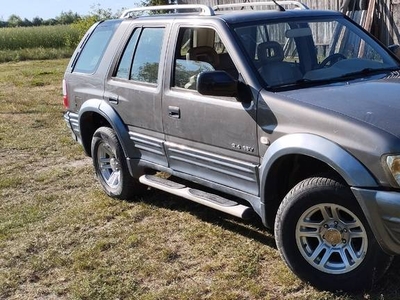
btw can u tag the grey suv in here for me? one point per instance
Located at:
(290, 115)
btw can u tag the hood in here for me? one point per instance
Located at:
(375, 102)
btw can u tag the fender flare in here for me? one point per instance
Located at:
(107, 112)
(352, 171)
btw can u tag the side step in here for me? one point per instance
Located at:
(205, 198)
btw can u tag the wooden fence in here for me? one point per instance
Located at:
(380, 17)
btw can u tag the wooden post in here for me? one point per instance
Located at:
(368, 23)
(370, 15)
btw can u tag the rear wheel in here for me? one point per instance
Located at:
(111, 167)
(324, 238)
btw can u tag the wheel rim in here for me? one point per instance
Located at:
(109, 165)
(331, 238)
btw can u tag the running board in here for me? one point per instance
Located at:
(205, 198)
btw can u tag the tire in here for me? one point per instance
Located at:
(324, 238)
(111, 167)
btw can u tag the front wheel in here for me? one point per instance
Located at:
(111, 167)
(324, 238)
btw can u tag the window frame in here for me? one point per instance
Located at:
(122, 53)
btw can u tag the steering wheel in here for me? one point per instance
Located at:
(331, 60)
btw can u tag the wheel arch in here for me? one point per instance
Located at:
(295, 157)
(95, 114)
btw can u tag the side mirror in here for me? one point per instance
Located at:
(217, 83)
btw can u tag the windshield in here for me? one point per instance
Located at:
(302, 51)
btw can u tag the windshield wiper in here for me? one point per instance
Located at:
(367, 71)
(312, 82)
(304, 81)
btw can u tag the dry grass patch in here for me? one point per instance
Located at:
(62, 238)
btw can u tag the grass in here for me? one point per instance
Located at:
(43, 42)
(39, 53)
(61, 237)
(58, 36)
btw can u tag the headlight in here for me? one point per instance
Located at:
(393, 163)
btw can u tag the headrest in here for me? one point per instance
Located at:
(270, 52)
(203, 53)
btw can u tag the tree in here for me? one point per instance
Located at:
(14, 21)
(155, 2)
(26, 23)
(66, 18)
(49, 22)
(148, 72)
(102, 13)
(96, 14)
(36, 21)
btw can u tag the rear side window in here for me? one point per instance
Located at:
(147, 56)
(93, 50)
(124, 67)
(141, 58)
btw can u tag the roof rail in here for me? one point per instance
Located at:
(205, 9)
(297, 4)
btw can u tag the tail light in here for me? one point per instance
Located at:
(65, 94)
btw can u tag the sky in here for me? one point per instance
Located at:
(47, 9)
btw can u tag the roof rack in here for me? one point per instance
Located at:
(205, 9)
(297, 4)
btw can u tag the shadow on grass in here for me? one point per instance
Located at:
(252, 229)
(387, 288)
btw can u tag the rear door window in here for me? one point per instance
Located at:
(147, 56)
(93, 50)
(141, 58)
(124, 67)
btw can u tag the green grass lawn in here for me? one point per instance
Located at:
(62, 238)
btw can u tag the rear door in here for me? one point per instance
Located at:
(213, 138)
(134, 89)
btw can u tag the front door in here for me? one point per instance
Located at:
(212, 138)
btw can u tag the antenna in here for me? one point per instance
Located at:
(280, 7)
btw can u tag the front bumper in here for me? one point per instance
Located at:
(71, 119)
(382, 210)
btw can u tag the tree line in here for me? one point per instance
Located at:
(70, 17)
(63, 19)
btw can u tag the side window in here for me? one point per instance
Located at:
(270, 43)
(92, 52)
(147, 55)
(124, 67)
(198, 50)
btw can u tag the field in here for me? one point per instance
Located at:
(43, 42)
(62, 238)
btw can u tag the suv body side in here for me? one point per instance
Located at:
(210, 152)
(256, 145)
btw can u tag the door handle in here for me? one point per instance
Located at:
(113, 100)
(174, 112)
